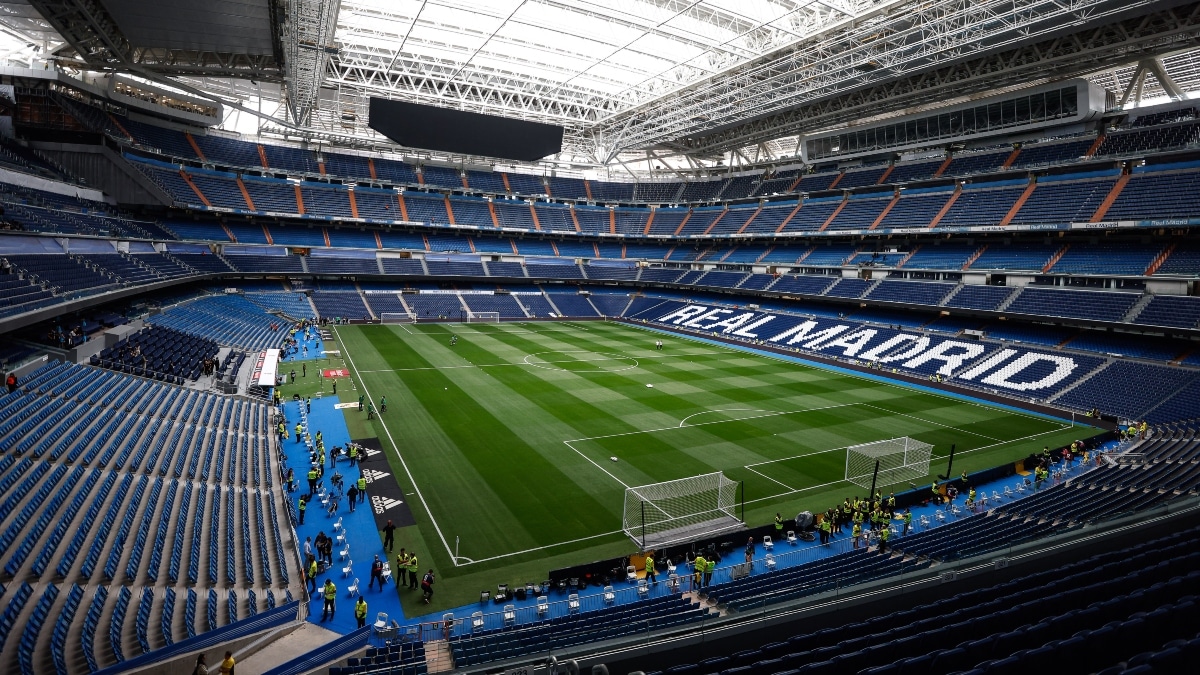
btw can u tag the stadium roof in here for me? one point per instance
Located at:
(693, 80)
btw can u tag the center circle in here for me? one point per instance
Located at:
(581, 361)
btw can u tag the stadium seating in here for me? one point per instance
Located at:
(111, 525)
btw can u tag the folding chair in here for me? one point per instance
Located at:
(543, 605)
(791, 537)
(344, 553)
(348, 568)
(768, 545)
(352, 590)
(337, 525)
(573, 603)
(609, 596)
(631, 574)
(770, 562)
(643, 588)
(510, 615)
(381, 621)
(476, 621)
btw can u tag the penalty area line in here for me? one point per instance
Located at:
(593, 463)
(537, 548)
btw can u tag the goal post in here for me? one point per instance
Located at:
(397, 317)
(483, 317)
(900, 460)
(665, 513)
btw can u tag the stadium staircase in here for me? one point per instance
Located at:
(1108, 362)
(1137, 308)
(1009, 300)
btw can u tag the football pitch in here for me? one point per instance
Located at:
(504, 443)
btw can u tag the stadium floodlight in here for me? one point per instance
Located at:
(483, 317)
(900, 460)
(677, 510)
(397, 317)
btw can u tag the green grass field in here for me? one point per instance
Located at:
(507, 435)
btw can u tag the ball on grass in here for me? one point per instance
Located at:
(649, 386)
(613, 458)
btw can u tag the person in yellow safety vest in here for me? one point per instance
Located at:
(360, 611)
(651, 575)
(883, 539)
(312, 482)
(353, 455)
(908, 519)
(935, 496)
(303, 508)
(312, 575)
(709, 567)
(299, 433)
(778, 523)
(698, 566)
(413, 569)
(825, 531)
(856, 534)
(402, 567)
(362, 489)
(330, 593)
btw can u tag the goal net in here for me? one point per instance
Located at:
(900, 460)
(483, 317)
(397, 317)
(678, 510)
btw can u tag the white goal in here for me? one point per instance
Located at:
(397, 317)
(900, 460)
(678, 510)
(483, 317)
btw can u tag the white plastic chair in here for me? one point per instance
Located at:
(768, 544)
(352, 589)
(348, 568)
(770, 562)
(941, 517)
(609, 596)
(341, 537)
(344, 553)
(337, 526)
(631, 574)
(387, 572)
(543, 605)
(925, 522)
(476, 621)
(380, 621)
(643, 588)
(510, 615)
(791, 537)
(673, 582)
(573, 603)
(1008, 490)
(670, 567)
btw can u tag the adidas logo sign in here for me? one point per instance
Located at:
(371, 475)
(382, 504)
(371, 453)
